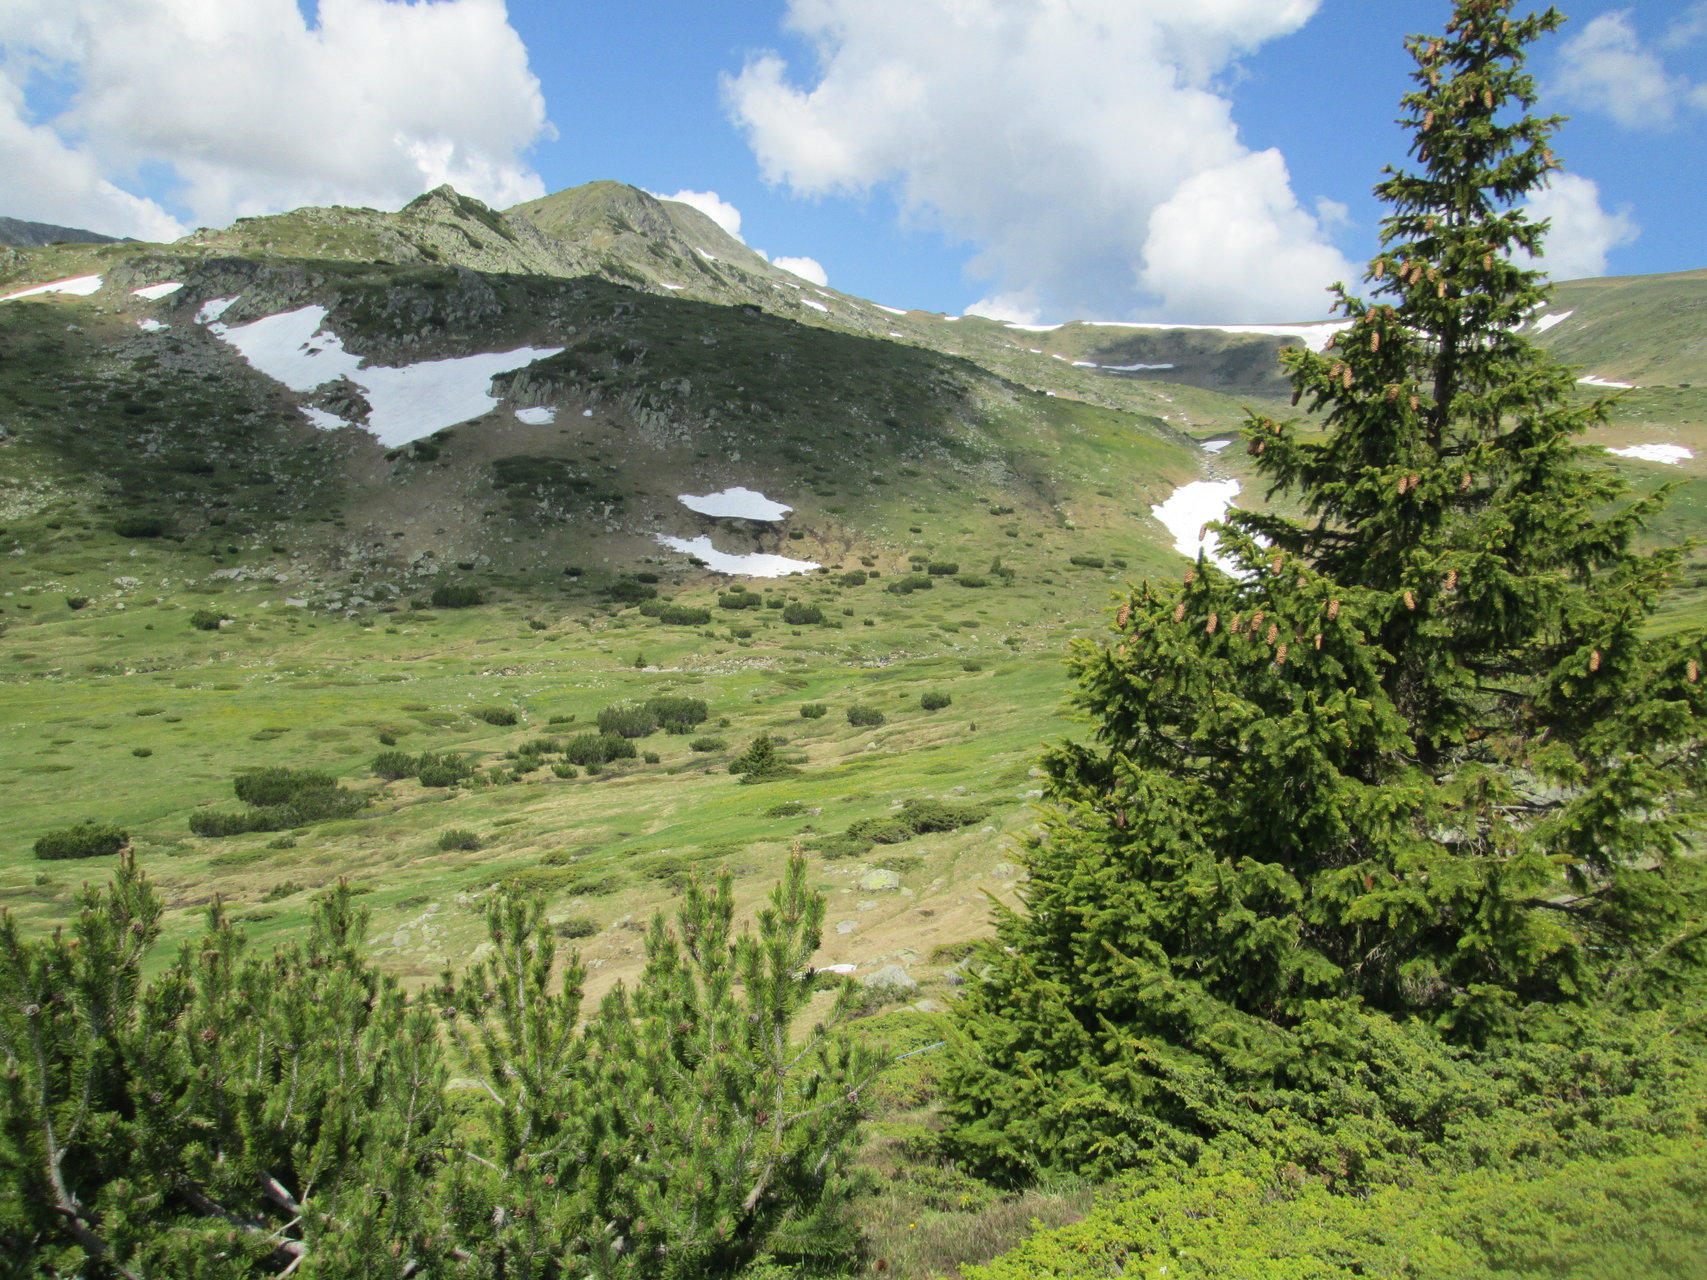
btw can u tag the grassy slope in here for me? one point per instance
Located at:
(885, 450)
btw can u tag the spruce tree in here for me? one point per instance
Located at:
(1420, 758)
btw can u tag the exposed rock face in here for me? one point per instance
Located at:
(892, 976)
(31, 234)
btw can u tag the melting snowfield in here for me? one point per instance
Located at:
(407, 402)
(1215, 446)
(740, 503)
(1547, 322)
(537, 417)
(1595, 380)
(148, 324)
(1192, 506)
(154, 292)
(81, 286)
(750, 566)
(1670, 454)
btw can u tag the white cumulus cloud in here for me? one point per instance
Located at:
(712, 206)
(252, 109)
(1066, 139)
(1015, 308)
(1606, 67)
(1582, 233)
(805, 268)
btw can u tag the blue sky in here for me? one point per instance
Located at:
(1036, 159)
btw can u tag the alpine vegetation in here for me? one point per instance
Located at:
(242, 1115)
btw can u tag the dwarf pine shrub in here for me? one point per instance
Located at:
(453, 595)
(85, 840)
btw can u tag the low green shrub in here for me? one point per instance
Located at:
(973, 580)
(74, 603)
(800, 614)
(208, 619)
(392, 765)
(455, 595)
(1087, 562)
(908, 584)
(863, 716)
(942, 568)
(628, 720)
(503, 717)
(577, 927)
(881, 831)
(935, 815)
(678, 713)
(85, 840)
(707, 743)
(458, 838)
(446, 769)
(589, 750)
(140, 527)
(277, 785)
(628, 591)
(934, 700)
(813, 710)
(760, 762)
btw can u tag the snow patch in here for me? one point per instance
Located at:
(709, 257)
(1134, 368)
(406, 402)
(1215, 446)
(893, 334)
(752, 566)
(1085, 364)
(1189, 508)
(586, 413)
(322, 418)
(213, 309)
(894, 311)
(80, 286)
(1547, 322)
(738, 503)
(150, 325)
(1670, 454)
(818, 306)
(154, 292)
(662, 285)
(1595, 380)
(537, 417)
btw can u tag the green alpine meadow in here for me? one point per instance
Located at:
(538, 744)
